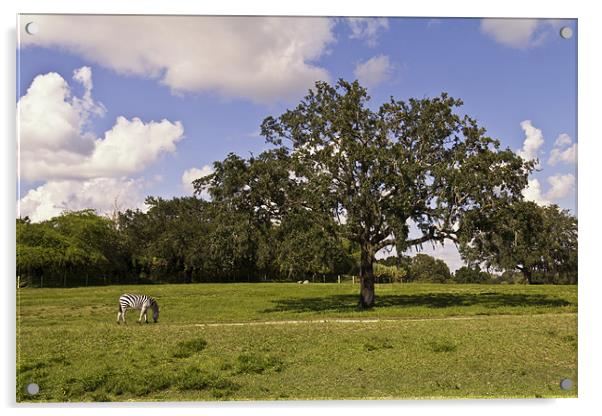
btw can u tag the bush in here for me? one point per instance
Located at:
(443, 346)
(257, 364)
(377, 343)
(185, 349)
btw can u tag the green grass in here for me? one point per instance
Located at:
(499, 341)
(185, 349)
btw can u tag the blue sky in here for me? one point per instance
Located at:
(201, 88)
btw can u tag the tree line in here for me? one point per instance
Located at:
(340, 183)
(188, 240)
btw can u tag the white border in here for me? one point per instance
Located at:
(590, 151)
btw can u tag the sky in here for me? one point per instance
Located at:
(112, 109)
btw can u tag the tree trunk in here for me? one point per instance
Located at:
(366, 279)
(528, 275)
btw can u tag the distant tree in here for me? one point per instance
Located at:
(389, 261)
(467, 274)
(258, 190)
(389, 272)
(512, 277)
(39, 251)
(539, 242)
(560, 257)
(401, 262)
(235, 244)
(69, 246)
(307, 247)
(373, 172)
(188, 239)
(425, 268)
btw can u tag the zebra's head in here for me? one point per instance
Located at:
(155, 307)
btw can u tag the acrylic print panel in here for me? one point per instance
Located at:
(293, 208)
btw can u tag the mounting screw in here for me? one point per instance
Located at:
(32, 389)
(566, 32)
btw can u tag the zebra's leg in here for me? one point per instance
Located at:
(119, 317)
(142, 313)
(123, 315)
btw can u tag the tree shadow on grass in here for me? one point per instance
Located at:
(348, 303)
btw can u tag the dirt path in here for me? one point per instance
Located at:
(377, 320)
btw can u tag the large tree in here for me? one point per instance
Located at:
(540, 242)
(379, 171)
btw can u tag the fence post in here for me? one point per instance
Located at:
(353, 279)
(339, 279)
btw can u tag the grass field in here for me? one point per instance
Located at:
(298, 342)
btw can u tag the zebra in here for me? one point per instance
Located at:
(142, 302)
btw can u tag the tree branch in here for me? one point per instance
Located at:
(385, 243)
(426, 237)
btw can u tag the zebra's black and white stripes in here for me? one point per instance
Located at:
(142, 302)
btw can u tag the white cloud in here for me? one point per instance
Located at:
(86, 105)
(533, 141)
(374, 71)
(191, 174)
(562, 140)
(80, 170)
(263, 59)
(533, 192)
(130, 146)
(49, 119)
(564, 151)
(367, 28)
(519, 33)
(568, 155)
(561, 186)
(102, 194)
(83, 75)
(54, 143)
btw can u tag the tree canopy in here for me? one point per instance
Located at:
(425, 268)
(467, 274)
(375, 172)
(540, 242)
(73, 244)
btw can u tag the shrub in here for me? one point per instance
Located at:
(257, 364)
(443, 346)
(185, 349)
(377, 344)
